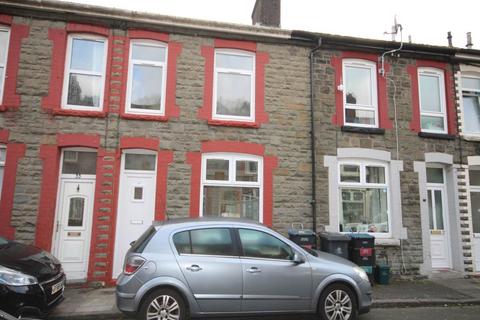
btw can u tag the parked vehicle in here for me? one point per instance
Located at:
(197, 267)
(31, 279)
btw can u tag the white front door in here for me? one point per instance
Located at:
(475, 202)
(73, 228)
(136, 202)
(438, 219)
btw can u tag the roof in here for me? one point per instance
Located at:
(120, 18)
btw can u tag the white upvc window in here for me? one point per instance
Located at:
(234, 85)
(85, 68)
(232, 186)
(364, 203)
(4, 42)
(471, 104)
(3, 158)
(147, 77)
(433, 115)
(360, 93)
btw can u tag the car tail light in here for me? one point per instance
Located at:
(132, 264)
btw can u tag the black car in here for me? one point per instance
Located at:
(31, 279)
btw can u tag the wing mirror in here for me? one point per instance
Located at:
(132, 243)
(298, 259)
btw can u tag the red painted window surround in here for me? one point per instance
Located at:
(53, 102)
(11, 100)
(50, 155)
(261, 59)
(337, 63)
(15, 151)
(449, 94)
(174, 50)
(269, 164)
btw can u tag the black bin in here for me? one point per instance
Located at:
(303, 237)
(334, 243)
(362, 250)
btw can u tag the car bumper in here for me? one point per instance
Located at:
(365, 299)
(33, 300)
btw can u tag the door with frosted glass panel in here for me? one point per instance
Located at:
(475, 209)
(437, 212)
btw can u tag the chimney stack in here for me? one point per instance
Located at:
(469, 40)
(449, 37)
(266, 13)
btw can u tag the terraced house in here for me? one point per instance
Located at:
(111, 119)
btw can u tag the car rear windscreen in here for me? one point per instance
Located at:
(144, 239)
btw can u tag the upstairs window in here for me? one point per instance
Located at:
(360, 93)
(471, 104)
(147, 77)
(232, 186)
(433, 117)
(4, 40)
(85, 68)
(234, 86)
(364, 197)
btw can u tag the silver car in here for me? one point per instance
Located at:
(198, 267)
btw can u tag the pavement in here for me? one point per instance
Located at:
(90, 303)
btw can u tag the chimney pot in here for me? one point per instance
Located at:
(266, 13)
(449, 37)
(469, 40)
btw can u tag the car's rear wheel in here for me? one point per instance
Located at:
(163, 304)
(338, 302)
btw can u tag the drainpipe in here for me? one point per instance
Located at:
(311, 37)
(312, 136)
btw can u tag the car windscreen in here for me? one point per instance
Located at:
(144, 239)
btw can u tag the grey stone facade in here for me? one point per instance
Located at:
(286, 135)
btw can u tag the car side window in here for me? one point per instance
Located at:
(211, 241)
(258, 244)
(181, 241)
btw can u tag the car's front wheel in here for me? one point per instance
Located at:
(337, 302)
(163, 304)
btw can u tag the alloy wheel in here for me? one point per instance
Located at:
(338, 305)
(163, 307)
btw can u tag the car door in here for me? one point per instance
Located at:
(271, 280)
(210, 263)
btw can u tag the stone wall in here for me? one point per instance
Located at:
(412, 148)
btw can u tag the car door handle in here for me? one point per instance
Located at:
(254, 270)
(194, 268)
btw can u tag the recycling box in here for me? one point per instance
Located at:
(362, 250)
(334, 243)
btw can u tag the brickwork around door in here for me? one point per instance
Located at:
(466, 230)
(285, 135)
(412, 148)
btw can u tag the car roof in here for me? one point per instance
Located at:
(186, 222)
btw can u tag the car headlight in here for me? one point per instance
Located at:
(361, 273)
(12, 277)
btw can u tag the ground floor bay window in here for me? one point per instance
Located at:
(364, 197)
(364, 194)
(231, 186)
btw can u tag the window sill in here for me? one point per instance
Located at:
(145, 117)
(471, 137)
(231, 123)
(440, 136)
(363, 130)
(79, 113)
(387, 242)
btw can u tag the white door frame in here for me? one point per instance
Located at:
(476, 236)
(446, 225)
(122, 181)
(62, 178)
